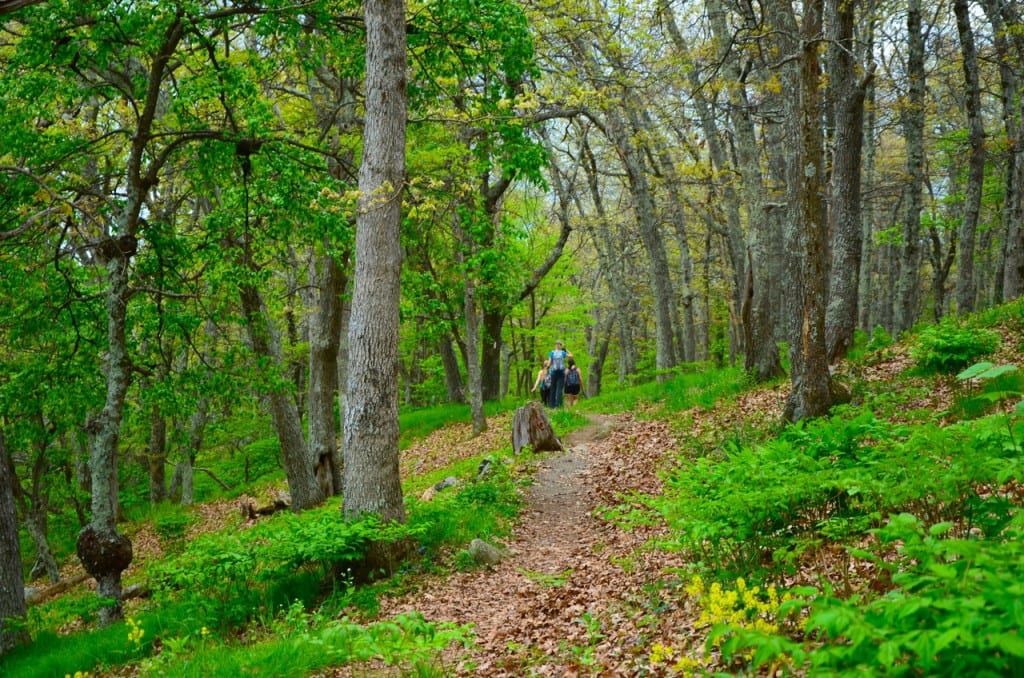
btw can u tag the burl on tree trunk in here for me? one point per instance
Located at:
(105, 555)
(531, 426)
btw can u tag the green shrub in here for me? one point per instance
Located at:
(880, 339)
(947, 348)
(303, 644)
(457, 515)
(953, 610)
(171, 526)
(226, 578)
(986, 385)
(743, 508)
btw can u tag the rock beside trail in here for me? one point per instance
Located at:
(485, 554)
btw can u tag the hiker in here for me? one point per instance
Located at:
(543, 382)
(573, 382)
(556, 369)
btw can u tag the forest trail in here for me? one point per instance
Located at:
(569, 597)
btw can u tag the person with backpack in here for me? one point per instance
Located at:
(556, 369)
(573, 382)
(543, 382)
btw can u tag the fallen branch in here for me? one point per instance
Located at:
(50, 591)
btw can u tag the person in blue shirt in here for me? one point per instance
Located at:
(557, 358)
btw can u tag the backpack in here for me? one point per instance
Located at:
(572, 377)
(557, 360)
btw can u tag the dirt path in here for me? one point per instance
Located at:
(569, 598)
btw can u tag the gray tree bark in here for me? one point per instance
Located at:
(633, 160)
(866, 306)
(966, 289)
(12, 584)
(452, 375)
(372, 481)
(35, 507)
(45, 563)
(846, 220)
(104, 552)
(284, 411)
(687, 334)
(811, 395)
(610, 257)
(761, 357)
(328, 280)
(472, 316)
(156, 456)
(913, 116)
(1010, 53)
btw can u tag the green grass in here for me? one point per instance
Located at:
(674, 394)
(297, 643)
(417, 423)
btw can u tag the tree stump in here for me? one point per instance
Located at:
(531, 426)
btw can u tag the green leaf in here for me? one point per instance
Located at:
(974, 370)
(888, 653)
(998, 371)
(940, 528)
(1011, 643)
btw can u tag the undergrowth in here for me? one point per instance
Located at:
(903, 525)
(927, 503)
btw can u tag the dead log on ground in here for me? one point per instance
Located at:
(247, 506)
(531, 426)
(39, 595)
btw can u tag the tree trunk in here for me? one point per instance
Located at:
(490, 344)
(531, 427)
(846, 218)
(284, 411)
(761, 358)
(913, 117)
(735, 246)
(650, 235)
(12, 585)
(1010, 51)
(182, 485)
(599, 351)
(104, 552)
(687, 335)
(156, 456)
(867, 312)
(966, 290)
(325, 326)
(452, 374)
(610, 256)
(36, 525)
(811, 393)
(35, 508)
(474, 370)
(372, 481)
